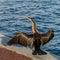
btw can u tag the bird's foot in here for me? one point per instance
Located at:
(40, 52)
(34, 52)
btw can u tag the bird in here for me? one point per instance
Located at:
(35, 40)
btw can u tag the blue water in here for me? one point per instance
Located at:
(46, 14)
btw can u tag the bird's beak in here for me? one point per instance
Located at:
(25, 16)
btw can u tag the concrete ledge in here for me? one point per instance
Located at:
(6, 54)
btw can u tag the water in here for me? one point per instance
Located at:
(46, 14)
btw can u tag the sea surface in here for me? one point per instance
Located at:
(46, 14)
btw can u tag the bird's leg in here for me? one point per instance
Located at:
(34, 52)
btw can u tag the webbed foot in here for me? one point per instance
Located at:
(34, 52)
(40, 52)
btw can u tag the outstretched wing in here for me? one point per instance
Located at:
(47, 37)
(22, 38)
